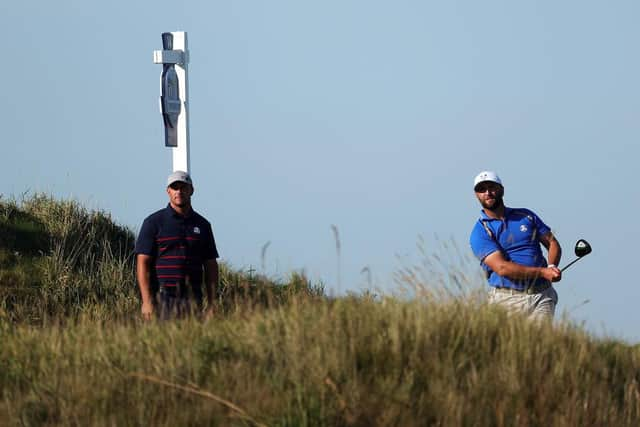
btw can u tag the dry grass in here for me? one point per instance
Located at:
(73, 351)
(320, 362)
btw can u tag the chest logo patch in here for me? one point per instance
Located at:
(196, 230)
(523, 228)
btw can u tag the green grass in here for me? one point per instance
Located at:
(74, 352)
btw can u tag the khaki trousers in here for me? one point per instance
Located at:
(536, 306)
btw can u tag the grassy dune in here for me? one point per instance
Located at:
(73, 352)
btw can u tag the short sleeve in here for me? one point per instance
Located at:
(210, 249)
(146, 241)
(481, 244)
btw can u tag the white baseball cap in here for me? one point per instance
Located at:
(486, 176)
(179, 176)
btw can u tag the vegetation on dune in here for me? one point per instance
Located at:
(73, 351)
(59, 260)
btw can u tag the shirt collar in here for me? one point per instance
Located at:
(485, 217)
(172, 212)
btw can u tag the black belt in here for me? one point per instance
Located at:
(181, 290)
(534, 289)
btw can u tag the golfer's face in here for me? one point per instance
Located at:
(180, 194)
(489, 194)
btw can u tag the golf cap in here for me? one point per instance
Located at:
(179, 176)
(486, 176)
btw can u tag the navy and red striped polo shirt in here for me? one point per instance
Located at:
(179, 245)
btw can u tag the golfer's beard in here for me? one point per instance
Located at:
(496, 205)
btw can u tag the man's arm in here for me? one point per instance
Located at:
(144, 264)
(211, 282)
(553, 247)
(502, 267)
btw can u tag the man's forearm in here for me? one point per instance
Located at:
(519, 272)
(555, 252)
(211, 288)
(211, 280)
(145, 288)
(143, 273)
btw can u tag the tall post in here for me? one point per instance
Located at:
(174, 90)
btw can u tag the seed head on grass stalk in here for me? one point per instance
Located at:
(336, 237)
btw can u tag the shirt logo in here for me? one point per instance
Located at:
(523, 228)
(196, 230)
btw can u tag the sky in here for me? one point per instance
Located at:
(366, 117)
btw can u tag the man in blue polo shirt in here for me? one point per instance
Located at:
(175, 251)
(507, 243)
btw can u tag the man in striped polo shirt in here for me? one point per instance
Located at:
(175, 252)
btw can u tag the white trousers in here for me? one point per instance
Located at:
(535, 306)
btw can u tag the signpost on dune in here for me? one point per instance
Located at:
(174, 92)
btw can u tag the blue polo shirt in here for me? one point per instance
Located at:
(179, 245)
(517, 236)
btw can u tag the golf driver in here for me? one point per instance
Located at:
(582, 248)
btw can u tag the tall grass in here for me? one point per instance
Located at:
(62, 260)
(59, 260)
(73, 351)
(319, 362)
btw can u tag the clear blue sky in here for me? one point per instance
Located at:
(373, 116)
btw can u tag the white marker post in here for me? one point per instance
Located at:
(174, 90)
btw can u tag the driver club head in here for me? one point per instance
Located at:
(582, 248)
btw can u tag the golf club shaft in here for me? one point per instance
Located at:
(570, 264)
